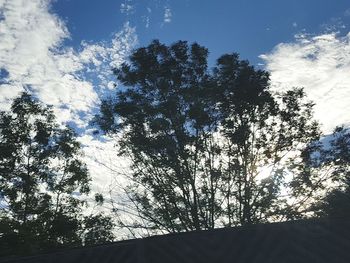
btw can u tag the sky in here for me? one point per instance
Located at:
(63, 51)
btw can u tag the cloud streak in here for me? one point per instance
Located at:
(167, 15)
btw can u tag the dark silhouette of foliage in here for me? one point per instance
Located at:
(42, 180)
(259, 130)
(198, 139)
(99, 229)
(327, 170)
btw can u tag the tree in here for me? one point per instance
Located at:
(170, 122)
(199, 139)
(325, 176)
(99, 229)
(259, 130)
(42, 180)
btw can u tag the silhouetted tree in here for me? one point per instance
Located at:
(207, 148)
(42, 180)
(98, 229)
(325, 175)
(167, 124)
(259, 131)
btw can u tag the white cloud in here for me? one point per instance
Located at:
(33, 55)
(127, 7)
(146, 21)
(31, 52)
(167, 15)
(320, 64)
(104, 165)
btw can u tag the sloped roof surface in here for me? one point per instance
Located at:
(299, 241)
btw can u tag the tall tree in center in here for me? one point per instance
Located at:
(199, 140)
(168, 124)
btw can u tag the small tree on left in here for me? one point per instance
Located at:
(42, 180)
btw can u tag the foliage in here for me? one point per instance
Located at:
(99, 229)
(260, 129)
(42, 180)
(198, 139)
(325, 174)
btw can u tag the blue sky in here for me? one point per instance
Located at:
(62, 51)
(247, 27)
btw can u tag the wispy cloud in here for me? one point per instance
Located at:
(151, 13)
(32, 53)
(167, 15)
(127, 7)
(32, 56)
(347, 12)
(320, 64)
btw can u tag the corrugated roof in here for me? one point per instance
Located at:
(326, 240)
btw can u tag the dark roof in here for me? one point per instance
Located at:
(326, 240)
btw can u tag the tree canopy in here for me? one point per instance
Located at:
(42, 182)
(209, 148)
(324, 174)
